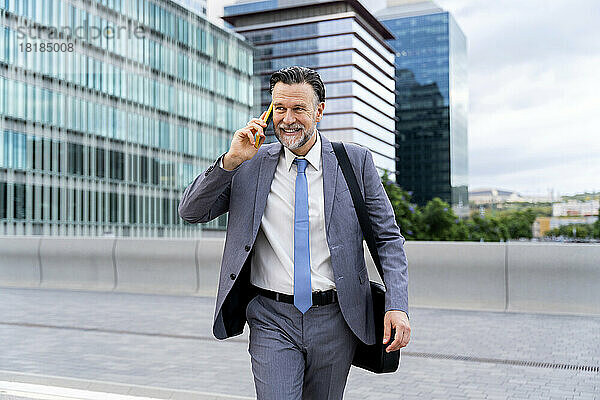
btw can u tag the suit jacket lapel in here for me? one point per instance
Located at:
(330, 168)
(266, 172)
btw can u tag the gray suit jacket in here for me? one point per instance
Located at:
(243, 192)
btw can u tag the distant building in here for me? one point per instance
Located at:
(573, 208)
(342, 41)
(100, 136)
(542, 225)
(493, 196)
(431, 101)
(498, 197)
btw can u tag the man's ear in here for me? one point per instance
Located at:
(320, 109)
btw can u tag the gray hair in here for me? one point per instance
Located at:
(296, 74)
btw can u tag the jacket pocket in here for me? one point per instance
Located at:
(248, 308)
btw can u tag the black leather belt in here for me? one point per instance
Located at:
(320, 298)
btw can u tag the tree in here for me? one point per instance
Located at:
(487, 229)
(518, 223)
(461, 231)
(579, 231)
(407, 214)
(439, 220)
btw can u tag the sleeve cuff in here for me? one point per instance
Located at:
(220, 163)
(397, 309)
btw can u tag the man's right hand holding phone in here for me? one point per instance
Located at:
(242, 145)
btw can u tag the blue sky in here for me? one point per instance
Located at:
(534, 93)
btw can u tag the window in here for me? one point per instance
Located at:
(36, 203)
(99, 208)
(113, 207)
(3, 204)
(100, 163)
(144, 169)
(132, 209)
(165, 211)
(117, 160)
(46, 202)
(19, 200)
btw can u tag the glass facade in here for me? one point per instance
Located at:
(431, 107)
(254, 6)
(108, 110)
(196, 6)
(459, 109)
(355, 64)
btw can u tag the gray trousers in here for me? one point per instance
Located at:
(297, 356)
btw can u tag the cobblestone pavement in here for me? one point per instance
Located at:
(166, 341)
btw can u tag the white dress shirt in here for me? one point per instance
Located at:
(273, 257)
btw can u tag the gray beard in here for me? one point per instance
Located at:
(302, 142)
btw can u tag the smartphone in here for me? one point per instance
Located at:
(267, 118)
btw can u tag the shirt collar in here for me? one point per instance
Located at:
(313, 156)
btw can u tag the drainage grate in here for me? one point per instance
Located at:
(537, 364)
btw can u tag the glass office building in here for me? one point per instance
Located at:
(196, 6)
(347, 46)
(431, 102)
(108, 110)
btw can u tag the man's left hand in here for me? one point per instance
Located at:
(399, 320)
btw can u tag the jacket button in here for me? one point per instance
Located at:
(232, 276)
(247, 248)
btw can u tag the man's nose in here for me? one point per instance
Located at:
(289, 117)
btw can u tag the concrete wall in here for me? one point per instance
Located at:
(20, 261)
(555, 278)
(84, 263)
(457, 275)
(156, 266)
(180, 267)
(524, 277)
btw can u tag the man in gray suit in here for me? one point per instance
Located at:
(293, 265)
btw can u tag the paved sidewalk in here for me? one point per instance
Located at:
(166, 342)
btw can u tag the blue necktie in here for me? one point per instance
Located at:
(302, 288)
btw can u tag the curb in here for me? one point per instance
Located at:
(94, 387)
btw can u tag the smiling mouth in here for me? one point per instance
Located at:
(291, 131)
